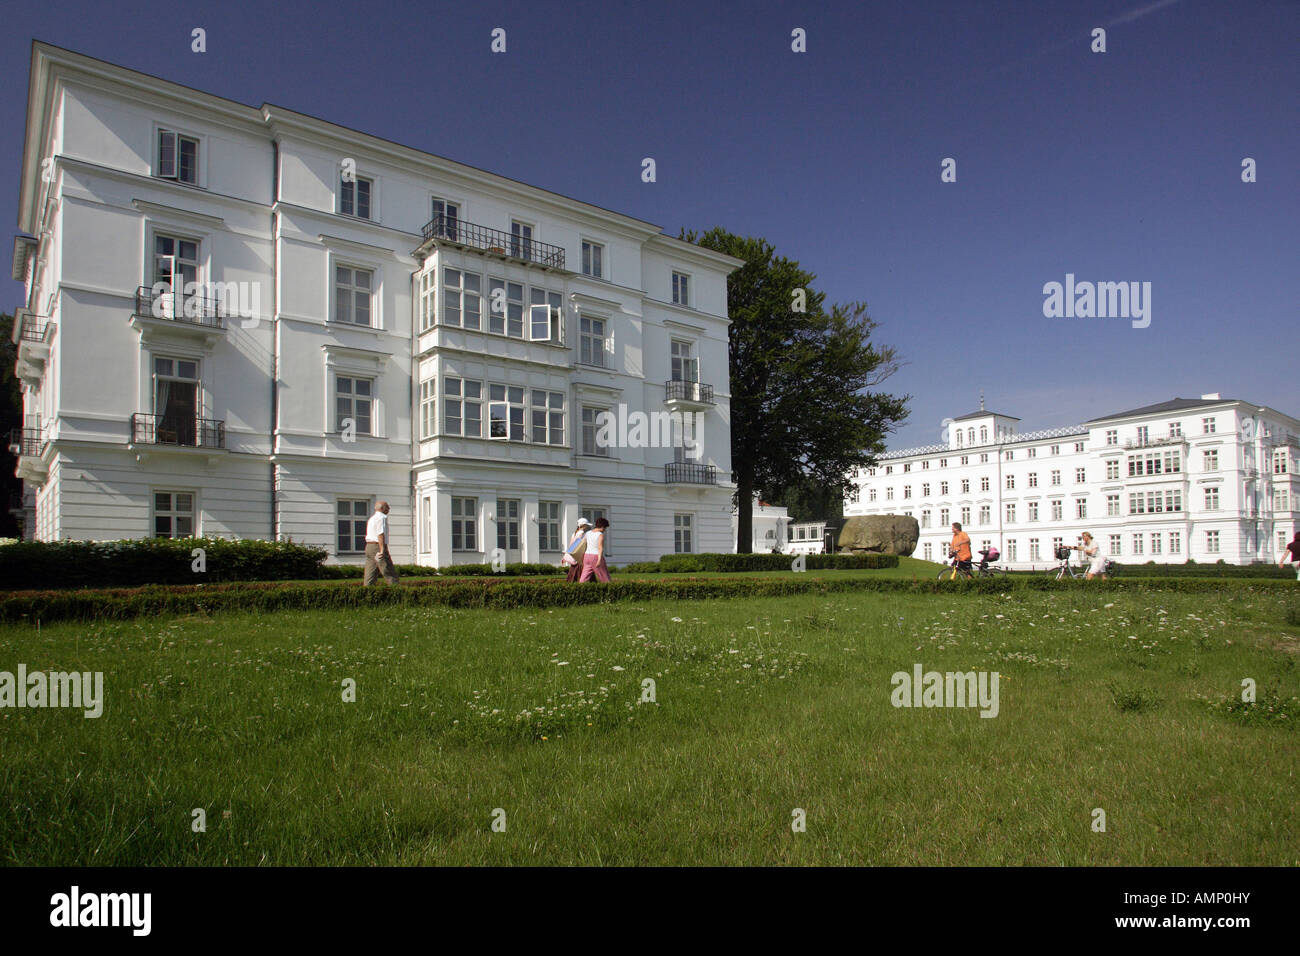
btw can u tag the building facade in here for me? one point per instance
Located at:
(245, 321)
(1206, 479)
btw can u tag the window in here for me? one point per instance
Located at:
(352, 295)
(984, 434)
(506, 308)
(1112, 469)
(1207, 426)
(1211, 499)
(1137, 544)
(1081, 507)
(1011, 550)
(591, 423)
(871, 494)
(925, 465)
(965, 516)
(464, 524)
(521, 240)
(1056, 449)
(907, 466)
(907, 491)
(176, 401)
(889, 494)
(353, 399)
(1155, 543)
(1056, 477)
(965, 459)
(1116, 544)
(591, 341)
(1281, 500)
(1112, 505)
(1011, 482)
(1031, 453)
(1033, 549)
(925, 489)
(548, 417)
(462, 300)
(1112, 436)
(176, 267)
(426, 526)
(1032, 508)
(462, 407)
(1033, 479)
(428, 408)
(1212, 542)
(173, 514)
(508, 524)
(925, 518)
(889, 469)
(1056, 543)
(354, 197)
(943, 462)
(681, 288)
(1078, 447)
(178, 157)
(1080, 476)
(683, 542)
(1175, 431)
(1280, 462)
(1143, 436)
(351, 516)
(943, 518)
(544, 315)
(943, 487)
(1056, 510)
(928, 551)
(428, 299)
(984, 483)
(685, 368)
(593, 259)
(984, 458)
(965, 486)
(1011, 514)
(970, 436)
(1175, 542)
(506, 412)
(446, 217)
(1009, 455)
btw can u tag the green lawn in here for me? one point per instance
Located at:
(1107, 700)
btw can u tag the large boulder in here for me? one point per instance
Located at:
(879, 534)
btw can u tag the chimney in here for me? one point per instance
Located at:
(1211, 396)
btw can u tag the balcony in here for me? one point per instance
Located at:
(27, 444)
(32, 334)
(186, 433)
(1156, 442)
(688, 395)
(690, 473)
(200, 310)
(470, 235)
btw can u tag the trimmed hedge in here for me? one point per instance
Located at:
(685, 563)
(122, 604)
(1218, 569)
(78, 564)
(337, 571)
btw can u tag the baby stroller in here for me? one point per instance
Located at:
(988, 555)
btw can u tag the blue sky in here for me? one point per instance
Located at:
(1122, 166)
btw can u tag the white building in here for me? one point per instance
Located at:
(768, 527)
(809, 537)
(1205, 479)
(244, 321)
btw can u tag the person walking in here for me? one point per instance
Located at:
(593, 560)
(378, 558)
(575, 549)
(1096, 557)
(1292, 553)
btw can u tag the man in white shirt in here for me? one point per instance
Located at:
(378, 558)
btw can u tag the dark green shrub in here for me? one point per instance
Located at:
(677, 563)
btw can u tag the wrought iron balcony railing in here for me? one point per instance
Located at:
(169, 430)
(688, 391)
(471, 234)
(33, 329)
(25, 441)
(690, 473)
(201, 310)
(1155, 442)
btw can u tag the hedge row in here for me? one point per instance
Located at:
(1219, 569)
(337, 571)
(122, 604)
(686, 563)
(76, 564)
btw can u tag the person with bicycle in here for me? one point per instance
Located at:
(960, 547)
(1096, 557)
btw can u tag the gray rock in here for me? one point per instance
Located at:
(879, 534)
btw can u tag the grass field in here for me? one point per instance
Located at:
(1127, 702)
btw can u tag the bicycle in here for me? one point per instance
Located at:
(982, 570)
(1066, 569)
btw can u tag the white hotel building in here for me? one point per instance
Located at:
(1206, 479)
(406, 328)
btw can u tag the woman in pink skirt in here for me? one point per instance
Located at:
(593, 560)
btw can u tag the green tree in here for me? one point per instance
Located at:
(803, 409)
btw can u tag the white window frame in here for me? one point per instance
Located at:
(352, 396)
(372, 197)
(337, 286)
(173, 174)
(593, 255)
(173, 513)
(681, 288)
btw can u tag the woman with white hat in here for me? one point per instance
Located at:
(576, 548)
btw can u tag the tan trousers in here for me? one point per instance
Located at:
(377, 564)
